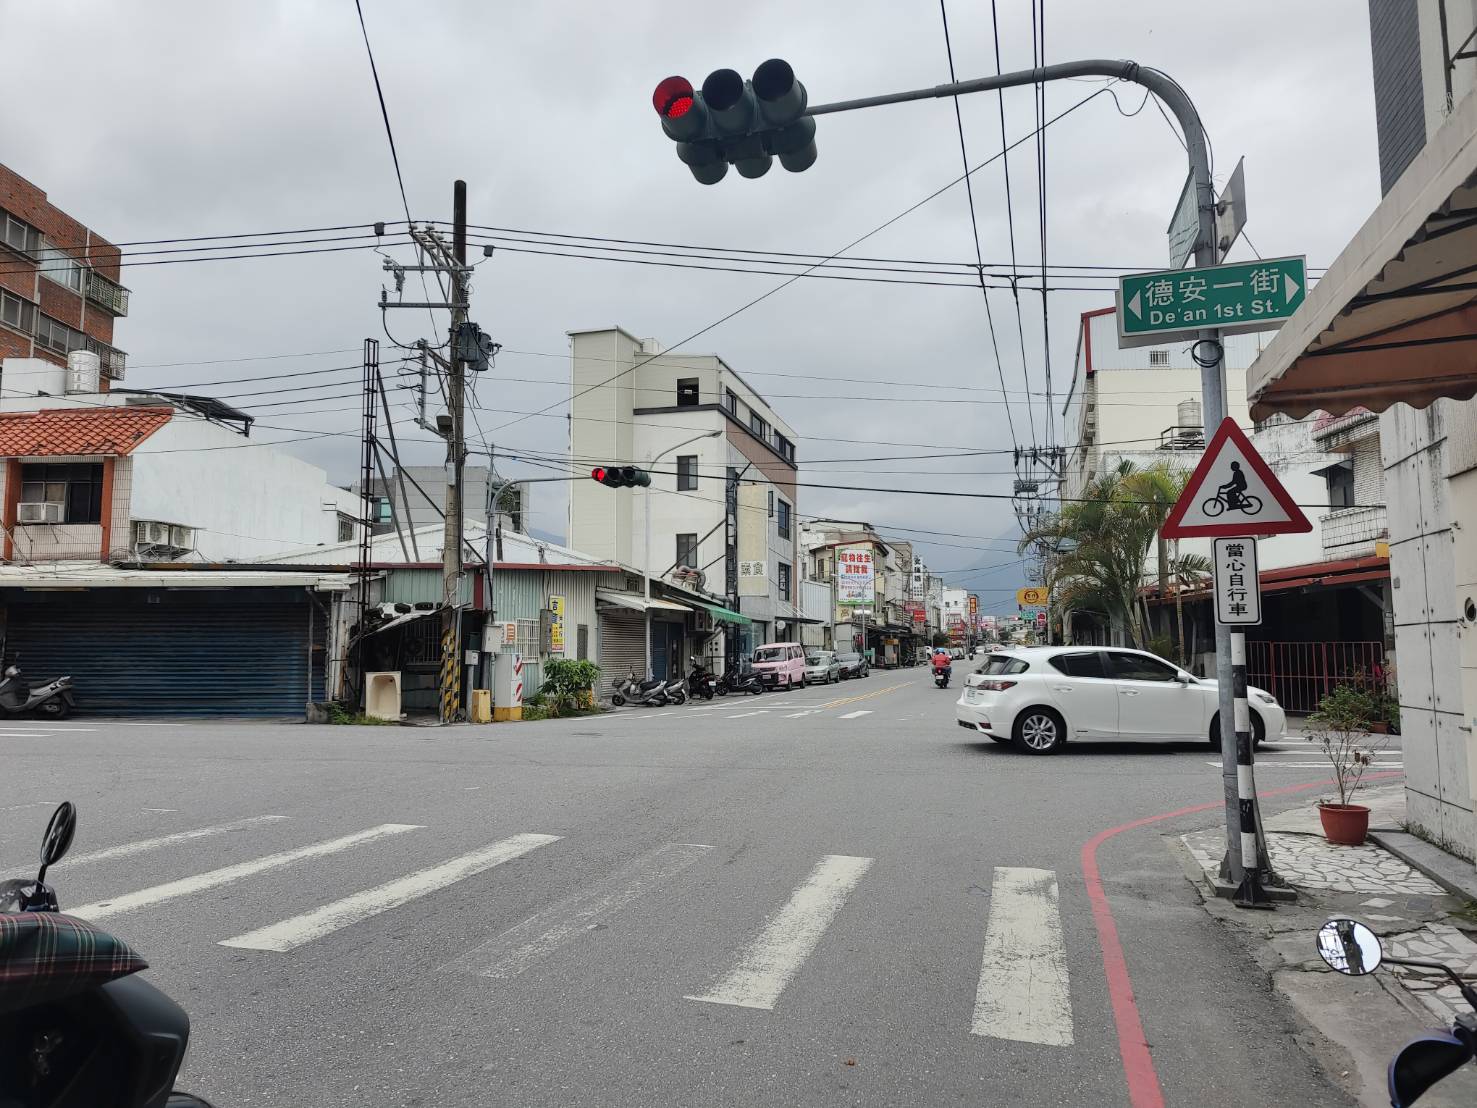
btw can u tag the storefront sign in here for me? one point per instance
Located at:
(556, 625)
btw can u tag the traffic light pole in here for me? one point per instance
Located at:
(1208, 349)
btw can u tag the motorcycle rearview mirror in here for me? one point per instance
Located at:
(58, 838)
(1349, 947)
(1424, 1061)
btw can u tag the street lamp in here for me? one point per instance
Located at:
(646, 547)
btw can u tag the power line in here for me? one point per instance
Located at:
(384, 112)
(975, 226)
(791, 280)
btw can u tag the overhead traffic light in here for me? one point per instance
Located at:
(621, 477)
(731, 121)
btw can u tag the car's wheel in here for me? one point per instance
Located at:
(1039, 731)
(1258, 731)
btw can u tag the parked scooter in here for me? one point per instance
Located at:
(701, 682)
(740, 679)
(81, 1031)
(651, 693)
(1352, 948)
(676, 691)
(50, 701)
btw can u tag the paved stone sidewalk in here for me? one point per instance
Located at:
(1311, 862)
(1435, 942)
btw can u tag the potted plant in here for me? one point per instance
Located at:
(1341, 727)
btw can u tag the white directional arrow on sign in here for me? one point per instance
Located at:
(1133, 305)
(1290, 286)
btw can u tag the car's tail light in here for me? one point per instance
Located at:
(996, 686)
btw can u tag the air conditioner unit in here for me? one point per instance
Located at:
(146, 533)
(704, 621)
(182, 537)
(43, 511)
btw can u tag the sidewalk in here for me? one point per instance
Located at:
(1363, 1021)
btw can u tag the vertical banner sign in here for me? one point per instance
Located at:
(556, 625)
(1238, 594)
(854, 581)
(753, 540)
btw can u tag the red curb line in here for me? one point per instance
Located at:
(1138, 1064)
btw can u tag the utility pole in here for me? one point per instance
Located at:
(456, 458)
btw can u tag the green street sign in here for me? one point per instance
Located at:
(1176, 303)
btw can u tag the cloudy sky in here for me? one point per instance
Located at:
(171, 118)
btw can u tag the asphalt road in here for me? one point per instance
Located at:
(833, 896)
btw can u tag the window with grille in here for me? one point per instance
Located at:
(1158, 357)
(77, 486)
(527, 643)
(686, 472)
(345, 528)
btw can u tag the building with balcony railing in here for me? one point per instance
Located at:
(59, 282)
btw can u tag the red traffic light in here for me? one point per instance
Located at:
(598, 473)
(673, 98)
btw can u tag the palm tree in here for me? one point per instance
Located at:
(1101, 544)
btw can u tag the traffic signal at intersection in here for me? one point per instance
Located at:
(731, 121)
(621, 477)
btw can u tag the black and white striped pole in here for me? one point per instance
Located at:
(1250, 893)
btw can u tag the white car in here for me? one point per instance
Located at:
(1039, 697)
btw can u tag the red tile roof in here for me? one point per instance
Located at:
(69, 431)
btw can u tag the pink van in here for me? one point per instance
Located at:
(780, 665)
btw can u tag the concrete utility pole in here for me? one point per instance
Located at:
(1208, 351)
(456, 459)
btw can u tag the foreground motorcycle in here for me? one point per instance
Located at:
(1352, 948)
(78, 1029)
(651, 693)
(52, 700)
(941, 676)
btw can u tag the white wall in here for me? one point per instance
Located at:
(245, 501)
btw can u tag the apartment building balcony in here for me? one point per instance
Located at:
(1353, 532)
(107, 293)
(112, 361)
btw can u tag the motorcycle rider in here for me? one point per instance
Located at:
(942, 661)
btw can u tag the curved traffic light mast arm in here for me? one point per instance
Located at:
(1212, 380)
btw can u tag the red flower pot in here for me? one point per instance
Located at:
(1344, 824)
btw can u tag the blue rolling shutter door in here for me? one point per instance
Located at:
(238, 652)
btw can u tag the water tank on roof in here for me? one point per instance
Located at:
(1187, 414)
(83, 368)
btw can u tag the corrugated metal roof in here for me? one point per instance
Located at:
(517, 549)
(60, 432)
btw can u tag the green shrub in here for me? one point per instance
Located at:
(569, 685)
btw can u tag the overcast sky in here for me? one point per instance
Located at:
(175, 118)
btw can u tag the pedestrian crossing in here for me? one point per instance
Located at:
(1022, 992)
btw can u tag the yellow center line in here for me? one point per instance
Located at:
(863, 696)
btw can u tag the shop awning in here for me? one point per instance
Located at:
(638, 603)
(1395, 317)
(727, 615)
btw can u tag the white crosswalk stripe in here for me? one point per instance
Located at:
(294, 932)
(142, 846)
(1022, 992)
(215, 878)
(519, 947)
(858, 714)
(792, 933)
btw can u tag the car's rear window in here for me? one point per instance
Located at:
(997, 664)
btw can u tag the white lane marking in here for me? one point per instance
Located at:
(43, 729)
(225, 875)
(790, 936)
(807, 712)
(32, 804)
(746, 715)
(22, 734)
(125, 850)
(1022, 992)
(512, 952)
(294, 932)
(857, 714)
(1277, 763)
(158, 809)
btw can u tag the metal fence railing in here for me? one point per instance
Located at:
(1300, 674)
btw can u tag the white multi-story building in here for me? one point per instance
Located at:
(723, 476)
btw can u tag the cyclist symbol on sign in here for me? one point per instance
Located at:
(1232, 495)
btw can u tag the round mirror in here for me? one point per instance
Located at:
(1349, 947)
(59, 832)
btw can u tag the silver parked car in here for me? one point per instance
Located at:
(822, 667)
